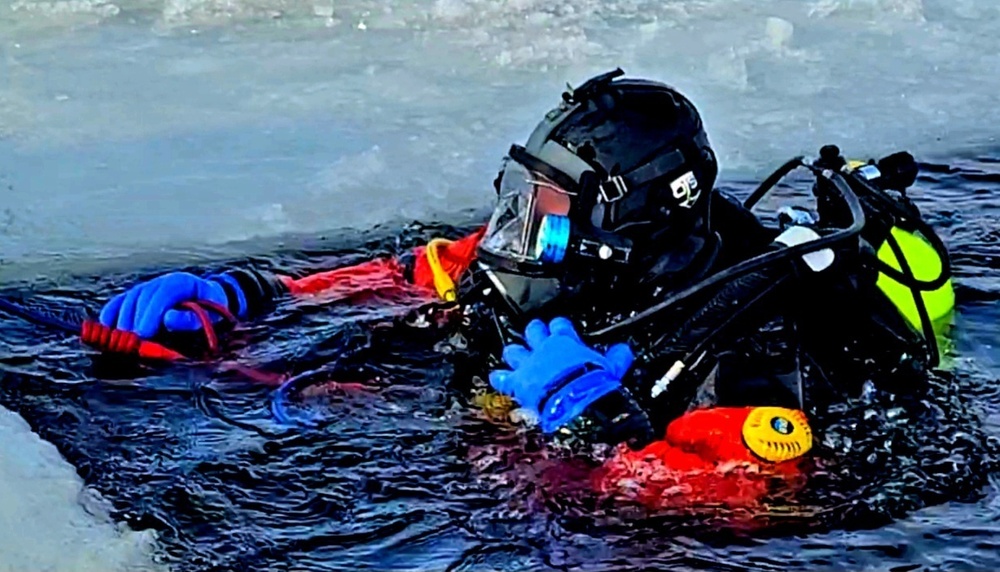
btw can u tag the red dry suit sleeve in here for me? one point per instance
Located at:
(388, 275)
(372, 276)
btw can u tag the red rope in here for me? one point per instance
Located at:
(113, 340)
(108, 339)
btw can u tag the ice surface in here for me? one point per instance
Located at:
(48, 521)
(239, 119)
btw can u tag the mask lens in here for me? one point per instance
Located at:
(525, 199)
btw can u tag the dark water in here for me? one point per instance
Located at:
(409, 476)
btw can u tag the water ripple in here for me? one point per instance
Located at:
(408, 477)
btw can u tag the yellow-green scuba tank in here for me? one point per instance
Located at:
(914, 271)
(926, 265)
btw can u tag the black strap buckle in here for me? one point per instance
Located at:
(613, 189)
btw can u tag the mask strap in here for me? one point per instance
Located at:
(616, 187)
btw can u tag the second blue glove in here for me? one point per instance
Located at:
(557, 375)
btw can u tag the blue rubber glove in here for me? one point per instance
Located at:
(147, 306)
(558, 373)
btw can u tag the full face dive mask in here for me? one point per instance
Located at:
(539, 221)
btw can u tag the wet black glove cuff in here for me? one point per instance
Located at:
(621, 420)
(260, 291)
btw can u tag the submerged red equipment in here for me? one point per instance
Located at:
(717, 456)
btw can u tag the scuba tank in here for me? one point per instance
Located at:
(908, 245)
(912, 263)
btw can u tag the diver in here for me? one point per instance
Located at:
(616, 290)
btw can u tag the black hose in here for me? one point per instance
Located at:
(767, 184)
(681, 389)
(887, 202)
(769, 285)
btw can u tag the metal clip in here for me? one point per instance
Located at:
(613, 189)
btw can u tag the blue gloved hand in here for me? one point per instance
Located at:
(147, 306)
(557, 375)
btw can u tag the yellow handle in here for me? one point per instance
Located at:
(443, 283)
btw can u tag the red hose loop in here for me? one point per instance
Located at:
(219, 309)
(206, 325)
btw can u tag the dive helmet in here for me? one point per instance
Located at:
(613, 180)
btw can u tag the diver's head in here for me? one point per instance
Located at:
(612, 184)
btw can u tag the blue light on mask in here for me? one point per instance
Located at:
(553, 238)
